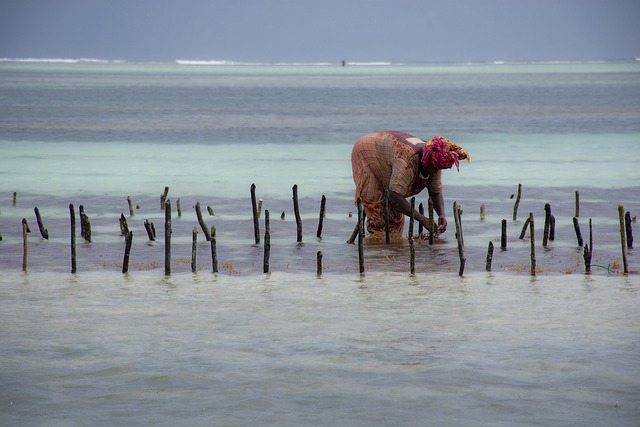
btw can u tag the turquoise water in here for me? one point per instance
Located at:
(290, 347)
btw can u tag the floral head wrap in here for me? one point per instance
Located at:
(442, 154)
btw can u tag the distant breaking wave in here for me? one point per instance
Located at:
(62, 60)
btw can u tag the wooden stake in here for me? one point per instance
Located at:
(214, 251)
(256, 224)
(319, 263)
(503, 235)
(25, 247)
(163, 197)
(420, 226)
(412, 251)
(354, 234)
(194, 248)
(459, 237)
(629, 231)
(267, 242)
(482, 213)
(203, 225)
(210, 210)
(552, 228)
(587, 259)
(151, 232)
(259, 207)
(24, 221)
(577, 204)
(360, 236)
(576, 227)
(124, 227)
(167, 237)
(130, 206)
(15, 198)
(385, 210)
(623, 239)
(85, 225)
(532, 267)
(489, 256)
(323, 204)
(296, 211)
(547, 225)
(524, 229)
(179, 207)
(432, 224)
(517, 203)
(43, 231)
(127, 251)
(72, 214)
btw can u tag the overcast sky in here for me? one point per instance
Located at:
(321, 30)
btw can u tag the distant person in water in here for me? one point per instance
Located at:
(404, 165)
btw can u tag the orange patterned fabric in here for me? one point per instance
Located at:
(388, 160)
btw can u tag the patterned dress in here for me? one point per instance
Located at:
(388, 160)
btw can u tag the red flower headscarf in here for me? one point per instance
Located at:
(442, 154)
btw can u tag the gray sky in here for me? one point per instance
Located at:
(321, 30)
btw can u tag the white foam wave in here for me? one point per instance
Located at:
(62, 60)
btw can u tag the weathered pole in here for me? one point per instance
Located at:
(130, 203)
(203, 225)
(524, 229)
(576, 227)
(214, 251)
(459, 237)
(167, 237)
(629, 231)
(489, 256)
(360, 237)
(482, 212)
(517, 203)
(163, 197)
(623, 239)
(124, 227)
(151, 232)
(43, 231)
(319, 263)
(547, 225)
(503, 235)
(577, 212)
(72, 214)
(420, 226)
(412, 251)
(323, 206)
(432, 224)
(532, 267)
(128, 239)
(25, 246)
(296, 211)
(267, 242)
(85, 225)
(179, 207)
(254, 205)
(194, 248)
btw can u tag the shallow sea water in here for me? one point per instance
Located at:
(289, 347)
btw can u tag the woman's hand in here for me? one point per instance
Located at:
(442, 224)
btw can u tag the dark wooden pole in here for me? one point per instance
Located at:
(43, 231)
(459, 237)
(194, 248)
(623, 239)
(124, 227)
(214, 250)
(385, 210)
(72, 214)
(360, 236)
(25, 246)
(267, 242)
(482, 213)
(552, 228)
(167, 237)
(296, 211)
(163, 197)
(128, 239)
(130, 203)
(532, 267)
(420, 226)
(577, 213)
(517, 203)
(547, 224)
(323, 206)
(524, 229)
(254, 205)
(319, 263)
(576, 227)
(203, 225)
(503, 235)
(15, 197)
(432, 224)
(151, 233)
(85, 225)
(629, 231)
(412, 251)
(179, 207)
(489, 256)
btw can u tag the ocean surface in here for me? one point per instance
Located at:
(294, 347)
